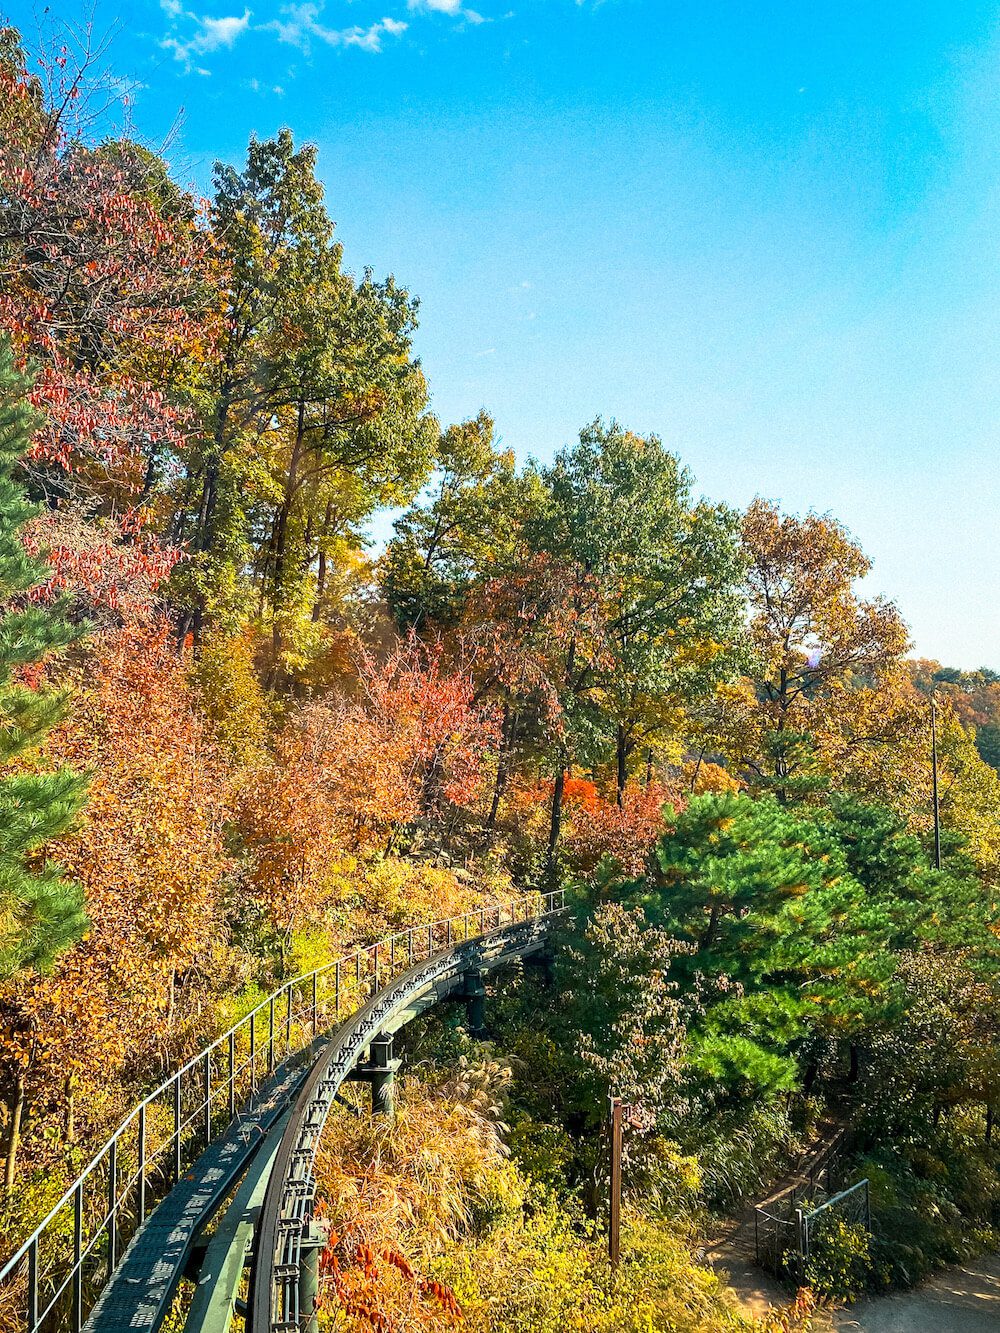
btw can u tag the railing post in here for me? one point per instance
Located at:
(113, 1205)
(409, 946)
(336, 987)
(315, 1022)
(253, 1053)
(288, 1019)
(177, 1127)
(430, 940)
(270, 1036)
(392, 955)
(232, 1075)
(78, 1257)
(207, 1089)
(33, 1286)
(141, 1150)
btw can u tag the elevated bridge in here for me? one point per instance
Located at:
(239, 1125)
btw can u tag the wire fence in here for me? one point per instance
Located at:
(51, 1282)
(787, 1227)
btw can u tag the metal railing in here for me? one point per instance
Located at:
(276, 1302)
(786, 1227)
(52, 1281)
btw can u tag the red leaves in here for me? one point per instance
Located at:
(99, 287)
(356, 1281)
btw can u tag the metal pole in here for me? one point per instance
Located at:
(232, 1074)
(934, 771)
(177, 1128)
(336, 987)
(270, 1036)
(253, 1052)
(315, 1007)
(615, 1209)
(113, 1206)
(33, 1286)
(208, 1098)
(78, 1258)
(141, 1150)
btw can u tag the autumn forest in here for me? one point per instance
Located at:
(239, 737)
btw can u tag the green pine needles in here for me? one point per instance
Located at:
(40, 912)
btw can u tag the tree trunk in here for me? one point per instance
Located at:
(14, 1140)
(621, 763)
(555, 823)
(69, 1124)
(507, 732)
(708, 939)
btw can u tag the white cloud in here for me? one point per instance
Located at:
(210, 35)
(300, 24)
(453, 8)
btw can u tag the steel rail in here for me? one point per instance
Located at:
(125, 1180)
(288, 1203)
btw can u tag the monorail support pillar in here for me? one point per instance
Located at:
(380, 1070)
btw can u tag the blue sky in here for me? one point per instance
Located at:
(767, 231)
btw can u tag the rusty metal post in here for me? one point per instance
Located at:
(615, 1203)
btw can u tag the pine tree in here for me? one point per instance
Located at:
(40, 912)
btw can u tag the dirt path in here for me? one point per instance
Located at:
(962, 1300)
(733, 1253)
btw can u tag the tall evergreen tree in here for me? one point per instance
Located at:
(40, 912)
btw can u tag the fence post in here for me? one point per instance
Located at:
(253, 1053)
(270, 1036)
(232, 1075)
(113, 1205)
(208, 1097)
(141, 1148)
(78, 1257)
(336, 987)
(615, 1208)
(315, 1023)
(177, 1127)
(33, 1286)
(288, 1019)
(801, 1237)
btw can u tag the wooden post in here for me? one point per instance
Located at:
(615, 1202)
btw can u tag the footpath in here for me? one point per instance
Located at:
(964, 1299)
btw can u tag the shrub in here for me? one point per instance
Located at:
(839, 1266)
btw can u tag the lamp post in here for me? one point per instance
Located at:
(934, 777)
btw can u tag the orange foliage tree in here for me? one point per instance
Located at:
(151, 859)
(347, 775)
